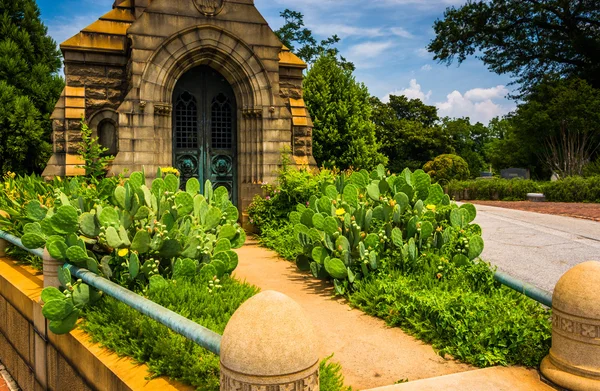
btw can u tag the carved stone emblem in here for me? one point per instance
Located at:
(209, 7)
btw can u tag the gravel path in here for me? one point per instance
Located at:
(537, 248)
(371, 354)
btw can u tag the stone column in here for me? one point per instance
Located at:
(269, 344)
(51, 267)
(574, 360)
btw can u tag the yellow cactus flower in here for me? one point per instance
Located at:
(340, 212)
(123, 252)
(431, 207)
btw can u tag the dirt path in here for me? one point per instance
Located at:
(577, 210)
(371, 354)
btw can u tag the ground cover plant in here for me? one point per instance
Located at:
(398, 248)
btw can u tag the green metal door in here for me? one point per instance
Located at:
(204, 129)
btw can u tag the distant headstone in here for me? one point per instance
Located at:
(554, 177)
(511, 173)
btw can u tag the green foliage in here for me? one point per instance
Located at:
(331, 377)
(537, 38)
(203, 299)
(127, 332)
(343, 134)
(136, 233)
(573, 189)
(560, 120)
(400, 249)
(93, 154)
(293, 34)
(293, 186)
(407, 131)
(445, 168)
(466, 315)
(29, 87)
(493, 189)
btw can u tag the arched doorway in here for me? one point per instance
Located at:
(204, 129)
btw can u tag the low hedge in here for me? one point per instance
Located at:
(573, 189)
(493, 189)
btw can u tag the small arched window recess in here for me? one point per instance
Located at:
(108, 137)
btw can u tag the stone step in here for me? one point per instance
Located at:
(489, 379)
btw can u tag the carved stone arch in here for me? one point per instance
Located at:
(207, 45)
(101, 118)
(237, 62)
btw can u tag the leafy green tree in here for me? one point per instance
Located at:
(343, 134)
(300, 40)
(408, 132)
(505, 149)
(560, 120)
(468, 141)
(528, 39)
(29, 87)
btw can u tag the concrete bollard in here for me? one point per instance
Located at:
(574, 360)
(269, 344)
(51, 267)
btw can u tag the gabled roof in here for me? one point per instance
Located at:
(289, 59)
(107, 34)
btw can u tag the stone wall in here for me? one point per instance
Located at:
(39, 360)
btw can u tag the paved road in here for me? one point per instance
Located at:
(534, 247)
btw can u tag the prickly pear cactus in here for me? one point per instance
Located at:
(350, 228)
(134, 234)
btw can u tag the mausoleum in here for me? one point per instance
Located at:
(201, 85)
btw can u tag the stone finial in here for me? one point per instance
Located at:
(51, 267)
(269, 343)
(574, 360)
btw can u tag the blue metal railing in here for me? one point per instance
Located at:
(205, 337)
(201, 335)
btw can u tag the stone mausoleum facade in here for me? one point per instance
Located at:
(201, 85)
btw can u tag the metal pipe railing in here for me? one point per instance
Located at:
(201, 335)
(531, 291)
(17, 242)
(179, 324)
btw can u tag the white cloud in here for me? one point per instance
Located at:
(482, 94)
(426, 68)
(346, 30)
(401, 32)
(479, 104)
(414, 91)
(369, 49)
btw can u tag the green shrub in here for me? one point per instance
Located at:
(401, 250)
(293, 186)
(493, 189)
(496, 326)
(446, 168)
(137, 236)
(573, 189)
(354, 228)
(127, 332)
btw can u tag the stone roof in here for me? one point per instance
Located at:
(109, 34)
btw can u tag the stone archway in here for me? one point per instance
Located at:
(231, 57)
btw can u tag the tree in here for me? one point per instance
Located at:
(300, 40)
(29, 87)
(468, 141)
(528, 39)
(560, 121)
(408, 132)
(505, 149)
(343, 134)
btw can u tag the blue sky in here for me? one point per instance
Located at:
(386, 39)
